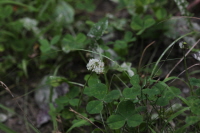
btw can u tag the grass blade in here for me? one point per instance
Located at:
(6, 129)
(153, 71)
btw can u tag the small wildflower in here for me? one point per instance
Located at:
(181, 45)
(196, 56)
(29, 23)
(96, 65)
(127, 67)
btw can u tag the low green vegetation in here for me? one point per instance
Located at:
(112, 60)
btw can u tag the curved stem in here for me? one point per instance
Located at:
(182, 59)
(143, 54)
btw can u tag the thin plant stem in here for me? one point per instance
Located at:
(119, 79)
(144, 53)
(103, 121)
(187, 76)
(27, 118)
(107, 83)
(154, 68)
(26, 110)
(85, 118)
(184, 71)
(82, 57)
(80, 98)
(182, 59)
(51, 94)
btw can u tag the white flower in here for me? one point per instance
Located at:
(196, 56)
(29, 23)
(181, 45)
(127, 67)
(100, 51)
(96, 65)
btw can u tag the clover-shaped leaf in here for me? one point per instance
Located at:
(125, 113)
(135, 80)
(194, 82)
(141, 24)
(97, 90)
(70, 43)
(131, 93)
(134, 120)
(64, 13)
(162, 101)
(192, 120)
(113, 95)
(115, 121)
(126, 109)
(94, 107)
(98, 29)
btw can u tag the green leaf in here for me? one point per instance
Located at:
(88, 91)
(74, 102)
(134, 120)
(53, 115)
(64, 13)
(141, 109)
(197, 92)
(175, 91)
(62, 100)
(115, 121)
(151, 92)
(94, 107)
(6, 11)
(78, 123)
(161, 13)
(98, 29)
(195, 108)
(177, 113)
(148, 21)
(194, 81)
(162, 101)
(66, 114)
(70, 43)
(98, 90)
(160, 86)
(93, 79)
(144, 2)
(86, 5)
(55, 40)
(192, 119)
(137, 23)
(128, 37)
(47, 51)
(113, 95)
(55, 80)
(194, 103)
(45, 46)
(141, 24)
(135, 80)
(131, 93)
(126, 109)
(73, 92)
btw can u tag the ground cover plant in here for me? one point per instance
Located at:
(69, 66)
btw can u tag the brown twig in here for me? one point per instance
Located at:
(85, 118)
(182, 59)
(192, 4)
(185, 70)
(7, 89)
(144, 52)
